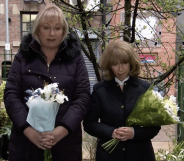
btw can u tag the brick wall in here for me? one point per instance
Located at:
(14, 9)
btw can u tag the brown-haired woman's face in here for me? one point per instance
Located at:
(121, 70)
(50, 34)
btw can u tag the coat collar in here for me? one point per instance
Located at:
(69, 49)
(131, 80)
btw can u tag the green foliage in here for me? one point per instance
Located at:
(5, 122)
(176, 153)
(2, 87)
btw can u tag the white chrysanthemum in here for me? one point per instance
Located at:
(157, 94)
(60, 98)
(176, 118)
(177, 108)
(173, 99)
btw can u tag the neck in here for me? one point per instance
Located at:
(50, 53)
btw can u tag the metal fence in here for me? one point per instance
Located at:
(180, 131)
(6, 64)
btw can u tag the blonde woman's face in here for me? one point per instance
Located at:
(50, 34)
(121, 70)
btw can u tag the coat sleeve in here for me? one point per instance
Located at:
(145, 133)
(13, 97)
(91, 123)
(76, 113)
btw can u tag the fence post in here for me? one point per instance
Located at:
(180, 130)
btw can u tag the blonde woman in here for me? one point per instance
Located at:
(50, 54)
(113, 99)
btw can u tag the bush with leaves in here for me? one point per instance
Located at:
(2, 87)
(175, 153)
(5, 122)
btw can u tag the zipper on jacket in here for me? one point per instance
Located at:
(44, 57)
(48, 67)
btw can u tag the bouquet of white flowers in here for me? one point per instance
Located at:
(158, 111)
(43, 107)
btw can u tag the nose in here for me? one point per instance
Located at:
(52, 32)
(120, 67)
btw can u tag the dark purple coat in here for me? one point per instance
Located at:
(29, 70)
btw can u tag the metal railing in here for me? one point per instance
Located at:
(6, 64)
(180, 129)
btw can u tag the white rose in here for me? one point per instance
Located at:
(60, 98)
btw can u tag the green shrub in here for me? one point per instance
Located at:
(176, 152)
(5, 122)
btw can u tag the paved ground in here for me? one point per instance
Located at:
(164, 138)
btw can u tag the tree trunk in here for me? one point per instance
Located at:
(127, 31)
(87, 40)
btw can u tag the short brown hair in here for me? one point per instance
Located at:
(50, 11)
(124, 53)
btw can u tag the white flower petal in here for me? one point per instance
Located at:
(173, 99)
(60, 98)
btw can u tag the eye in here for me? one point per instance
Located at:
(58, 28)
(45, 27)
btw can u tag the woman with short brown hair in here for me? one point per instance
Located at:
(119, 51)
(113, 99)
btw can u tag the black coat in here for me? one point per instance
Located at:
(113, 106)
(29, 70)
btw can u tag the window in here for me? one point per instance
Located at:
(27, 20)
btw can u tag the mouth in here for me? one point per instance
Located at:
(50, 39)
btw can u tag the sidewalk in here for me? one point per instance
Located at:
(164, 138)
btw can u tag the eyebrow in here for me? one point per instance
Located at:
(48, 24)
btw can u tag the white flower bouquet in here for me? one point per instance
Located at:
(43, 107)
(158, 111)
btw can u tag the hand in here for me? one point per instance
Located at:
(35, 137)
(124, 133)
(58, 133)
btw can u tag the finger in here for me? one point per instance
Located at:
(41, 147)
(47, 146)
(119, 137)
(120, 133)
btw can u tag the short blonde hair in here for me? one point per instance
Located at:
(119, 51)
(51, 12)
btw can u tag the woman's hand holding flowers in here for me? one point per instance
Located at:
(47, 141)
(123, 133)
(35, 137)
(58, 133)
